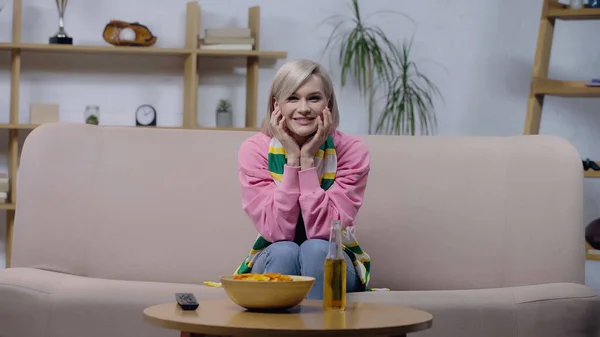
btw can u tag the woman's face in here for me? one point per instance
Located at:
(302, 108)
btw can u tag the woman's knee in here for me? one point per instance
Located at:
(313, 249)
(312, 256)
(279, 257)
(284, 251)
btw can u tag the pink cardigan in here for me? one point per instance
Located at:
(274, 210)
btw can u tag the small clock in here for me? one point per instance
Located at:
(145, 116)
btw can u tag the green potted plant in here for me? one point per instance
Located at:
(380, 66)
(92, 114)
(224, 117)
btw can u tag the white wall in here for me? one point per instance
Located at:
(485, 49)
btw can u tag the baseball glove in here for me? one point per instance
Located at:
(121, 33)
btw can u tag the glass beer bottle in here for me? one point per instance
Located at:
(334, 283)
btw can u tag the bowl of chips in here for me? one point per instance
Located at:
(269, 291)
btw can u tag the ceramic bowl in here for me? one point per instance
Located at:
(265, 295)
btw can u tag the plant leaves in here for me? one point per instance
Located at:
(378, 65)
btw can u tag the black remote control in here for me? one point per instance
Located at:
(187, 301)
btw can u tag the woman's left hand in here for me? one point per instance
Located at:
(309, 149)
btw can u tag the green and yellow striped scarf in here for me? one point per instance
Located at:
(325, 162)
(326, 165)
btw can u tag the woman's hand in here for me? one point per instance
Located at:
(292, 150)
(309, 149)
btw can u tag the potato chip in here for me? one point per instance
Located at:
(267, 277)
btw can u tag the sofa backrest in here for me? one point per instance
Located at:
(164, 205)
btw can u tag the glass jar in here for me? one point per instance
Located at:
(92, 114)
(576, 4)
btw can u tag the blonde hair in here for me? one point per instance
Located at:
(291, 76)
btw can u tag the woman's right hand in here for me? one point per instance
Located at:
(292, 149)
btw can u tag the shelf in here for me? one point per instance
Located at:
(242, 53)
(33, 126)
(52, 48)
(226, 129)
(191, 128)
(7, 207)
(19, 126)
(543, 86)
(591, 174)
(563, 12)
(108, 49)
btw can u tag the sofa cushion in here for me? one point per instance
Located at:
(549, 310)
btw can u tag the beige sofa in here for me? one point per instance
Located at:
(484, 233)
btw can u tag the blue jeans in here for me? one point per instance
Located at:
(308, 259)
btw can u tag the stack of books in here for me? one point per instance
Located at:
(3, 187)
(226, 39)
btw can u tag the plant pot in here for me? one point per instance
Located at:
(92, 114)
(91, 119)
(224, 119)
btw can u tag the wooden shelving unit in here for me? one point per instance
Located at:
(545, 86)
(542, 86)
(562, 12)
(190, 55)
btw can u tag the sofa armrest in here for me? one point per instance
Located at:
(559, 309)
(44, 303)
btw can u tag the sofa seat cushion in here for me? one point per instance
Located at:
(555, 309)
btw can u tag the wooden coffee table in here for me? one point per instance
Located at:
(225, 318)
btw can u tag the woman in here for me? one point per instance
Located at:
(297, 175)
